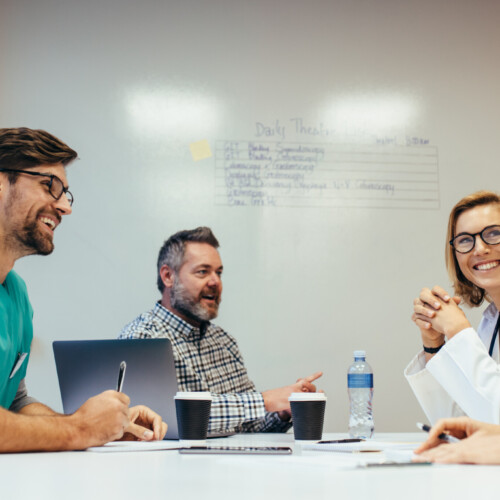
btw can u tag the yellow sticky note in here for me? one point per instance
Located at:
(200, 150)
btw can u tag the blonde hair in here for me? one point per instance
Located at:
(470, 293)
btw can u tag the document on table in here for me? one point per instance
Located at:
(361, 446)
(119, 446)
(332, 461)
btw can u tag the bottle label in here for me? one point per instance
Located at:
(360, 380)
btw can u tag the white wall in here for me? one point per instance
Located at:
(130, 85)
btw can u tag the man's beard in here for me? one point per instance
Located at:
(32, 239)
(28, 239)
(187, 305)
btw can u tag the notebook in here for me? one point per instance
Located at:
(87, 367)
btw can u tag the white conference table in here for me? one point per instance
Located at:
(303, 475)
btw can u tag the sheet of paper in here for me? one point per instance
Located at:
(331, 461)
(334, 461)
(399, 455)
(362, 446)
(119, 446)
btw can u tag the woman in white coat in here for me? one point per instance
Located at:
(458, 370)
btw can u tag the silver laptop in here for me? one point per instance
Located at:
(87, 367)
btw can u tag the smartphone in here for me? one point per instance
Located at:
(237, 450)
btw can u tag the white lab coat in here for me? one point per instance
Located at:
(461, 379)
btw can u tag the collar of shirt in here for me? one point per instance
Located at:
(491, 311)
(178, 326)
(487, 327)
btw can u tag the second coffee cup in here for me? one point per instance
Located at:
(308, 413)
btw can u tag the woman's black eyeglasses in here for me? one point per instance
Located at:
(465, 242)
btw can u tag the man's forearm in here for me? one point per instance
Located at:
(37, 409)
(230, 411)
(270, 423)
(100, 419)
(25, 432)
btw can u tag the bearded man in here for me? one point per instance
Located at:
(206, 357)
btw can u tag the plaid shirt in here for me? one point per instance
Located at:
(210, 362)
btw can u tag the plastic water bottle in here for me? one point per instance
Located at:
(360, 388)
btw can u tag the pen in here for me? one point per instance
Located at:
(443, 436)
(121, 376)
(354, 440)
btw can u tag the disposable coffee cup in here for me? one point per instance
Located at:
(193, 413)
(308, 414)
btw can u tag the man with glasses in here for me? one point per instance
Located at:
(458, 371)
(34, 197)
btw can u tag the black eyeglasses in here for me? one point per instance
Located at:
(465, 242)
(56, 186)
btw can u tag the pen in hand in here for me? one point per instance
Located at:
(443, 436)
(121, 376)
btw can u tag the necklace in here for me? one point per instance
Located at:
(494, 336)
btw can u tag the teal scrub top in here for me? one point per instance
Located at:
(16, 334)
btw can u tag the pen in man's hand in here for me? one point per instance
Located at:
(443, 436)
(121, 376)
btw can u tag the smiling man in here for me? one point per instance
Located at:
(206, 357)
(34, 197)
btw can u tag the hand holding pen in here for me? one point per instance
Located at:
(443, 435)
(478, 442)
(457, 428)
(144, 424)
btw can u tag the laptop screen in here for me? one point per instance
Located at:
(88, 367)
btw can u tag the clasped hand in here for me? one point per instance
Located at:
(438, 315)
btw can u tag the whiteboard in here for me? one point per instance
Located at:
(324, 142)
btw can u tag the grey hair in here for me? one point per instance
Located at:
(172, 252)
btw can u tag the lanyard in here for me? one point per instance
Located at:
(494, 336)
